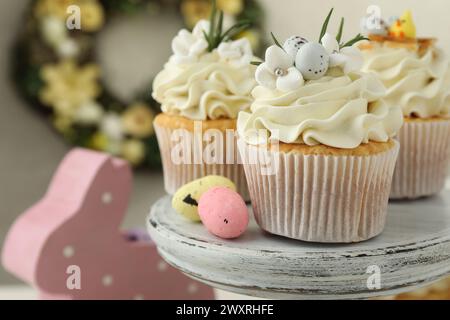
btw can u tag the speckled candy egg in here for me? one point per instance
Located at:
(185, 200)
(293, 44)
(223, 213)
(312, 60)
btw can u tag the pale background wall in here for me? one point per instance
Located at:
(30, 151)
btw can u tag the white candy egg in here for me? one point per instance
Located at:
(312, 60)
(293, 44)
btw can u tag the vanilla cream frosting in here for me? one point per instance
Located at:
(341, 111)
(209, 88)
(420, 85)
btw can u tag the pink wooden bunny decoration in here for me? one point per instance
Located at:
(68, 245)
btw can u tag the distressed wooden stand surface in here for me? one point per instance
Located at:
(413, 251)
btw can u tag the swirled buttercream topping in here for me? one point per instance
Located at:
(419, 84)
(202, 85)
(341, 111)
(209, 88)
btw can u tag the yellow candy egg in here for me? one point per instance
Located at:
(185, 201)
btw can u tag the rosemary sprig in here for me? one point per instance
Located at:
(234, 30)
(215, 36)
(275, 40)
(220, 25)
(256, 63)
(341, 29)
(212, 19)
(325, 25)
(357, 38)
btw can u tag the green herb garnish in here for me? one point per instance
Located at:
(325, 25)
(341, 29)
(215, 36)
(275, 40)
(357, 38)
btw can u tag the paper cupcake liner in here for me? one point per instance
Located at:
(423, 159)
(320, 198)
(177, 175)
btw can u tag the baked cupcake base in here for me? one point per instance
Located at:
(177, 175)
(321, 194)
(423, 159)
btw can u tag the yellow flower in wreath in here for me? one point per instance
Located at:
(196, 10)
(64, 126)
(92, 14)
(232, 7)
(133, 151)
(68, 86)
(99, 141)
(52, 8)
(138, 121)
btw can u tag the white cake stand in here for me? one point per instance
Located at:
(413, 251)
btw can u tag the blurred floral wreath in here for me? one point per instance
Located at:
(56, 70)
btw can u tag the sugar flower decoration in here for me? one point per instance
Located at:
(287, 67)
(238, 53)
(210, 36)
(278, 71)
(201, 28)
(348, 58)
(188, 46)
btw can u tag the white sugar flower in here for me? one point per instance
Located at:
(330, 43)
(278, 71)
(201, 28)
(349, 58)
(238, 53)
(187, 47)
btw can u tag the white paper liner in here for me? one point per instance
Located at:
(319, 198)
(177, 175)
(423, 159)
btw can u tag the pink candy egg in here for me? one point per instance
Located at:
(223, 212)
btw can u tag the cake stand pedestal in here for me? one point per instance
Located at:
(413, 251)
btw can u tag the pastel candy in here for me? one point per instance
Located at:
(312, 60)
(186, 199)
(293, 44)
(223, 213)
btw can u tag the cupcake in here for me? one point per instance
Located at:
(417, 78)
(317, 144)
(205, 84)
